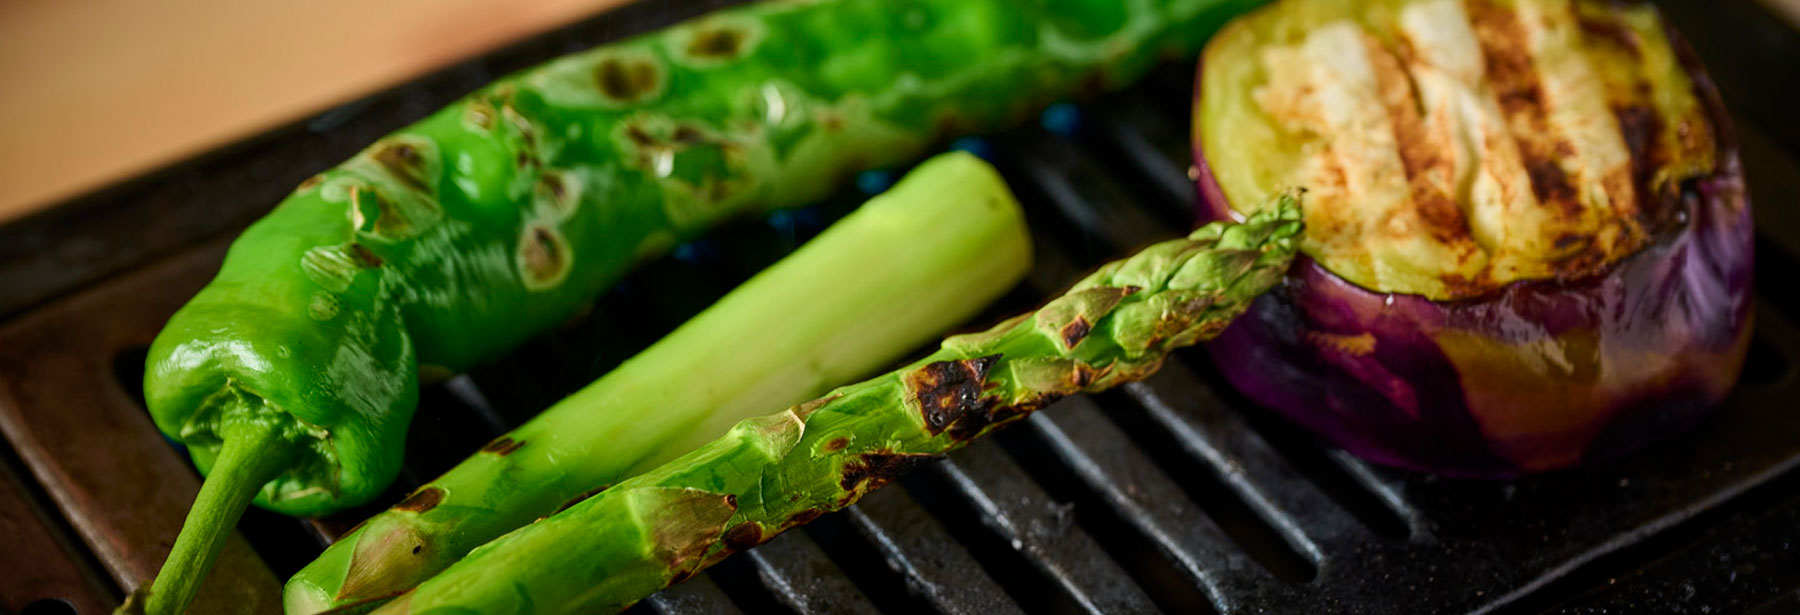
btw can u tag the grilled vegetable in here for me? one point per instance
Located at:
(1529, 244)
(293, 375)
(911, 263)
(778, 471)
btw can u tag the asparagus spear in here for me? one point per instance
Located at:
(915, 261)
(778, 471)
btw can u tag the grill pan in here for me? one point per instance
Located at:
(1170, 495)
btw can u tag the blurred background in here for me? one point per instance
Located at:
(97, 91)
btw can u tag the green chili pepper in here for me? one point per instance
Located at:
(775, 472)
(293, 375)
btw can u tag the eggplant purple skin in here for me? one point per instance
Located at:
(1537, 375)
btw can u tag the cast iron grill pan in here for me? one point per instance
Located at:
(1170, 495)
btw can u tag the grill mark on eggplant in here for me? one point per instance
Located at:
(1520, 90)
(1430, 171)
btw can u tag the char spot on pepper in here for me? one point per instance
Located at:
(503, 446)
(687, 135)
(627, 80)
(421, 500)
(543, 256)
(403, 161)
(836, 444)
(479, 114)
(731, 501)
(717, 42)
(743, 536)
(582, 497)
(363, 256)
(948, 391)
(1075, 331)
(872, 470)
(638, 136)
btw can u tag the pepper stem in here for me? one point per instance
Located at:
(252, 453)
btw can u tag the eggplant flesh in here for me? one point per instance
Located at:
(1528, 241)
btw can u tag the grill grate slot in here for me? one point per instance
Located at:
(1149, 149)
(1311, 524)
(936, 567)
(1136, 552)
(1041, 531)
(1100, 455)
(799, 574)
(1194, 380)
(695, 596)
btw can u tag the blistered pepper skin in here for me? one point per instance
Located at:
(1539, 375)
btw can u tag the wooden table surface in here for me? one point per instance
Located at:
(97, 91)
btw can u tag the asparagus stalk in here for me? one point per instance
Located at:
(778, 471)
(911, 263)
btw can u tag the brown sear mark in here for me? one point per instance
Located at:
(1424, 156)
(744, 536)
(552, 183)
(627, 80)
(421, 500)
(310, 182)
(1550, 183)
(582, 497)
(948, 391)
(503, 446)
(803, 517)
(718, 42)
(872, 470)
(680, 576)
(974, 426)
(1504, 47)
(363, 256)
(638, 136)
(1567, 241)
(1075, 331)
(1642, 129)
(403, 161)
(543, 254)
(836, 444)
(686, 135)
(1610, 30)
